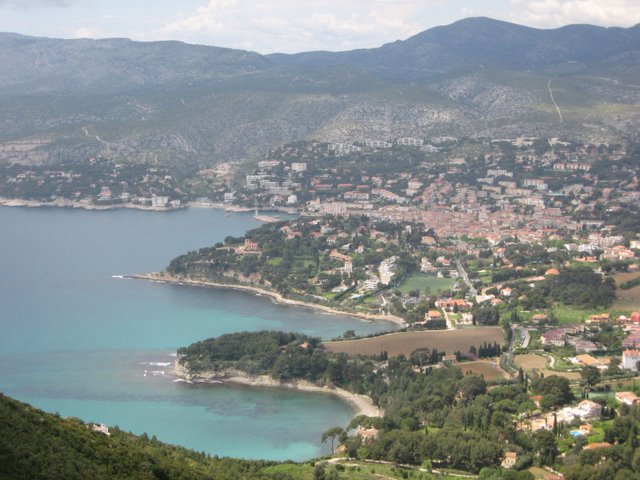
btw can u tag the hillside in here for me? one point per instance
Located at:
(39, 445)
(192, 105)
(484, 42)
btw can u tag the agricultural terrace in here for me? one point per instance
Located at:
(449, 341)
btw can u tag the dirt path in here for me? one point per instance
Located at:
(86, 132)
(554, 101)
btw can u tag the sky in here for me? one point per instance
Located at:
(289, 26)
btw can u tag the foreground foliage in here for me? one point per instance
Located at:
(39, 445)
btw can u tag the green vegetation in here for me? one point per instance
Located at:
(426, 283)
(329, 261)
(283, 356)
(555, 391)
(100, 181)
(441, 397)
(579, 287)
(38, 445)
(630, 283)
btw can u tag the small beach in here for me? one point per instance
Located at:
(362, 403)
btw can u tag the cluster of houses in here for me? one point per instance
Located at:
(573, 334)
(309, 176)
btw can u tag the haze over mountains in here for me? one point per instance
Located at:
(192, 105)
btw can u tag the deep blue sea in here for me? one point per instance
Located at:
(77, 341)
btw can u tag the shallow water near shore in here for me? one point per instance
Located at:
(77, 341)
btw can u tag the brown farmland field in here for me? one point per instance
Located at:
(531, 362)
(488, 369)
(627, 299)
(405, 343)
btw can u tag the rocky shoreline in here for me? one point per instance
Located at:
(362, 403)
(276, 297)
(66, 203)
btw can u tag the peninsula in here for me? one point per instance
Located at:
(165, 277)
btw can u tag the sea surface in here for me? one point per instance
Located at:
(77, 340)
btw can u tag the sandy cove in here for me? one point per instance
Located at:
(362, 403)
(276, 297)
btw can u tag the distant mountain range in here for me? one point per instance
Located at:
(196, 105)
(483, 42)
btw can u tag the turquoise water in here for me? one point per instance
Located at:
(76, 341)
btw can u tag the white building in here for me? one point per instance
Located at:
(268, 164)
(628, 398)
(333, 208)
(348, 267)
(102, 428)
(426, 266)
(159, 201)
(585, 410)
(409, 141)
(630, 359)
(371, 284)
(387, 270)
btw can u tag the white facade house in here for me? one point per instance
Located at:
(630, 359)
(387, 270)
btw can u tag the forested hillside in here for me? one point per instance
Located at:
(39, 445)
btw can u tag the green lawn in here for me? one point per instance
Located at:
(421, 281)
(568, 314)
(597, 432)
(538, 473)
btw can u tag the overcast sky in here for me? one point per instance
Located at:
(268, 26)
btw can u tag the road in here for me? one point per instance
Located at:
(472, 291)
(447, 319)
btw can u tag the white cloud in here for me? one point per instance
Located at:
(294, 26)
(468, 12)
(86, 33)
(36, 3)
(555, 13)
(209, 18)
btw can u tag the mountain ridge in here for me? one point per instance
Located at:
(185, 104)
(483, 41)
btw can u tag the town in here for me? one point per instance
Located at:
(521, 253)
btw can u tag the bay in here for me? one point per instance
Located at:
(76, 340)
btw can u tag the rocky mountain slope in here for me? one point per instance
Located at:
(191, 105)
